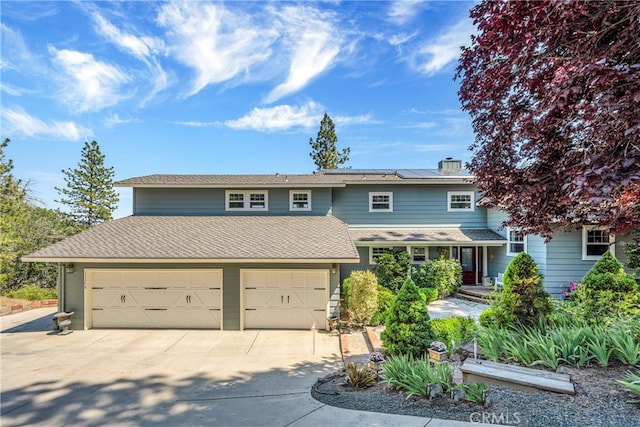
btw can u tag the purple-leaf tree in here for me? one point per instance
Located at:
(553, 89)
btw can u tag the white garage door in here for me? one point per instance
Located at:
(285, 299)
(155, 298)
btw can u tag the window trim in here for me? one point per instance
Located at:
(426, 254)
(472, 203)
(381, 193)
(371, 248)
(611, 244)
(509, 242)
(246, 194)
(291, 194)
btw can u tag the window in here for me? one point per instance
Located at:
(381, 202)
(516, 242)
(300, 200)
(460, 201)
(247, 200)
(419, 254)
(595, 242)
(374, 253)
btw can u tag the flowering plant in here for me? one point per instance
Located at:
(573, 286)
(376, 356)
(438, 346)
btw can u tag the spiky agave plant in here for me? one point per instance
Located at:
(359, 377)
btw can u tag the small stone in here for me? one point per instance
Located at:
(435, 390)
(458, 395)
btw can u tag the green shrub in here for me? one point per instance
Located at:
(363, 296)
(443, 274)
(408, 329)
(632, 384)
(385, 301)
(393, 268)
(606, 291)
(345, 291)
(415, 375)
(360, 377)
(608, 274)
(428, 294)
(523, 297)
(454, 330)
(32, 293)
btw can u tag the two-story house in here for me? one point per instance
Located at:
(270, 251)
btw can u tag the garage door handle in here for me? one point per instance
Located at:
(156, 288)
(288, 299)
(217, 309)
(188, 297)
(250, 309)
(219, 288)
(247, 288)
(281, 298)
(123, 298)
(97, 309)
(155, 309)
(318, 289)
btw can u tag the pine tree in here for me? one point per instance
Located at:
(324, 152)
(89, 192)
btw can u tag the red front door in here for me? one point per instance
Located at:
(468, 262)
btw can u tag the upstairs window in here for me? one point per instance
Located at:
(595, 242)
(516, 242)
(300, 200)
(380, 202)
(460, 201)
(247, 200)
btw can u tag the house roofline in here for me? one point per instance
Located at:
(192, 260)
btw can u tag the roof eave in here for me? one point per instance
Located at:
(71, 259)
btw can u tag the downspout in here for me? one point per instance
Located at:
(61, 287)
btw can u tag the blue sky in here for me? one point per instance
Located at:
(224, 88)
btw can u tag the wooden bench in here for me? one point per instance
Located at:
(485, 371)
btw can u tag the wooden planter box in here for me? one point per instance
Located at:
(437, 356)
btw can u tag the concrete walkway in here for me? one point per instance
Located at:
(170, 378)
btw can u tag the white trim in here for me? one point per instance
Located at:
(389, 247)
(388, 194)
(246, 200)
(611, 243)
(426, 253)
(291, 201)
(510, 253)
(472, 202)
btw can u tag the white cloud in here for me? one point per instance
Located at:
(15, 53)
(88, 84)
(196, 124)
(278, 118)
(115, 119)
(283, 117)
(402, 11)
(217, 44)
(315, 43)
(17, 121)
(434, 55)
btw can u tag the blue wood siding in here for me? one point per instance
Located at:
(74, 289)
(412, 205)
(211, 201)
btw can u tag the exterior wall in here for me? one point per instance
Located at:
(211, 201)
(412, 205)
(74, 287)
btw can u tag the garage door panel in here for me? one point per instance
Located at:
(157, 299)
(289, 299)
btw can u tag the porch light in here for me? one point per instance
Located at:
(334, 268)
(68, 268)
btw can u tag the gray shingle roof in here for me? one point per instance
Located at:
(283, 180)
(200, 238)
(444, 235)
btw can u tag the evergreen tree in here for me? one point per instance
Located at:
(89, 192)
(324, 152)
(408, 326)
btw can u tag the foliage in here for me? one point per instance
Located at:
(324, 152)
(416, 375)
(346, 284)
(632, 250)
(25, 228)
(89, 191)
(443, 274)
(32, 293)
(606, 291)
(523, 297)
(626, 346)
(408, 329)
(363, 296)
(608, 274)
(491, 340)
(393, 268)
(428, 294)
(385, 301)
(454, 331)
(632, 384)
(473, 392)
(552, 89)
(360, 377)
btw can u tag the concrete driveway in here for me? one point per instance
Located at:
(174, 377)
